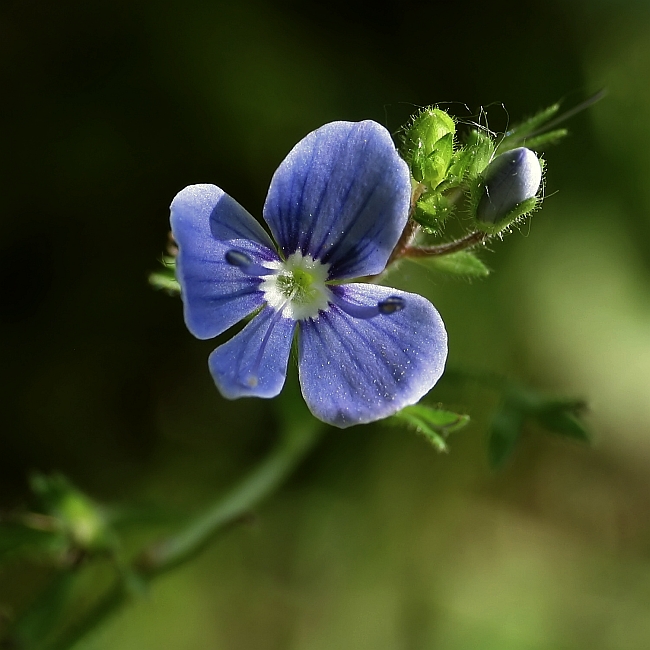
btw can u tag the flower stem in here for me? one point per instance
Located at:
(411, 228)
(468, 241)
(184, 545)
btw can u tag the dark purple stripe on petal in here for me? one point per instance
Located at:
(341, 196)
(354, 370)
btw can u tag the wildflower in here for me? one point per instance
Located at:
(336, 208)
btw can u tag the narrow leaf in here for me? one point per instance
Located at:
(518, 133)
(540, 141)
(434, 424)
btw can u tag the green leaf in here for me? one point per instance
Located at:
(165, 278)
(518, 133)
(20, 539)
(164, 281)
(477, 153)
(521, 210)
(562, 417)
(503, 434)
(432, 211)
(535, 131)
(540, 141)
(81, 519)
(462, 263)
(434, 424)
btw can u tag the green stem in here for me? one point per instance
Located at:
(468, 241)
(411, 228)
(181, 547)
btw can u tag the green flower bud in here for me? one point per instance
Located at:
(429, 145)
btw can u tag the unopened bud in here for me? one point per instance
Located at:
(511, 179)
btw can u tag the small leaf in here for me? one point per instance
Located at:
(165, 281)
(561, 417)
(476, 155)
(540, 141)
(535, 131)
(20, 539)
(565, 424)
(503, 434)
(519, 132)
(165, 278)
(432, 211)
(462, 263)
(80, 518)
(434, 424)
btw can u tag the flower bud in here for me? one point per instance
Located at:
(429, 145)
(509, 180)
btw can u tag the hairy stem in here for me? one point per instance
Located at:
(184, 545)
(411, 228)
(468, 241)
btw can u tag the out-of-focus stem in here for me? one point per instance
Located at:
(185, 544)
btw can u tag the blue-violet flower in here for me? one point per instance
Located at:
(336, 207)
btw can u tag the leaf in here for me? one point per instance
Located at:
(18, 539)
(165, 278)
(535, 131)
(503, 434)
(476, 155)
(165, 281)
(81, 520)
(518, 133)
(562, 417)
(432, 211)
(540, 141)
(434, 424)
(462, 263)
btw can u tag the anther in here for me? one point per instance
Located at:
(246, 264)
(391, 305)
(388, 306)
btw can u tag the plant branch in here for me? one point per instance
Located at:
(468, 241)
(177, 549)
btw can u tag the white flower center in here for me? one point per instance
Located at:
(297, 287)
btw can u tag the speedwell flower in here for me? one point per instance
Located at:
(336, 208)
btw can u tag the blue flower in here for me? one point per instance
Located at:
(336, 207)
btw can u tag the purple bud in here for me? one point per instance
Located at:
(510, 179)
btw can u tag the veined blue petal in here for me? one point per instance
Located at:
(355, 370)
(215, 294)
(254, 363)
(342, 196)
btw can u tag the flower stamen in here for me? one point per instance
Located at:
(297, 287)
(246, 263)
(390, 305)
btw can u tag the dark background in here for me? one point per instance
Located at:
(109, 108)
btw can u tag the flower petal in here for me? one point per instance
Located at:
(342, 196)
(354, 371)
(254, 363)
(215, 294)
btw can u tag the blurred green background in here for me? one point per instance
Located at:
(109, 108)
